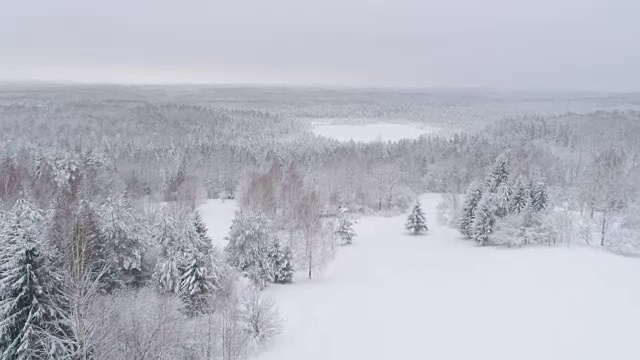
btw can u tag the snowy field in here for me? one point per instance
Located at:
(395, 296)
(218, 215)
(370, 132)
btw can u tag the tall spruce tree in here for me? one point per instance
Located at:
(521, 196)
(502, 200)
(539, 196)
(30, 314)
(416, 221)
(187, 265)
(168, 270)
(196, 284)
(204, 241)
(467, 214)
(200, 275)
(499, 173)
(124, 242)
(249, 239)
(485, 220)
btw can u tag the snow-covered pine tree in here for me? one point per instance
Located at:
(168, 268)
(248, 246)
(282, 259)
(521, 196)
(124, 239)
(499, 173)
(416, 221)
(473, 196)
(484, 220)
(200, 275)
(202, 241)
(195, 284)
(30, 316)
(201, 229)
(502, 200)
(539, 196)
(345, 231)
(187, 265)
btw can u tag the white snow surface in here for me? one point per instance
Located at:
(371, 132)
(396, 296)
(218, 215)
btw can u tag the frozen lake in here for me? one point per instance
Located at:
(371, 132)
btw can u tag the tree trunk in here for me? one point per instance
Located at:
(209, 351)
(310, 253)
(604, 223)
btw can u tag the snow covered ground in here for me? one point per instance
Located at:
(218, 215)
(396, 296)
(370, 132)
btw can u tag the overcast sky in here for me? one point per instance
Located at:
(541, 44)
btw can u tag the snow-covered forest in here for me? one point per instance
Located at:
(110, 248)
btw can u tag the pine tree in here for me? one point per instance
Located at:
(467, 214)
(502, 200)
(539, 196)
(249, 239)
(195, 284)
(123, 242)
(416, 222)
(29, 313)
(201, 229)
(168, 271)
(202, 241)
(200, 275)
(282, 259)
(345, 231)
(99, 254)
(521, 196)
(499, 174)
(484, 220)
(187, 265)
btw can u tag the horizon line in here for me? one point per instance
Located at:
(311, 86)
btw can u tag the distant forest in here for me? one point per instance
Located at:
(101, 186)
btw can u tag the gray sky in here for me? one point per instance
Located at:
(542, 44)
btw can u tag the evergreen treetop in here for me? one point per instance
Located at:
(472, 198)
(345, 231)
(539, 196)
(282, 260)
(249, 239)
(499, 174)
(521, 196)
(416, 221)
(28, 308)
(484, 220)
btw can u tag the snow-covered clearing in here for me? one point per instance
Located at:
(370, 132)
(218, 215)
(395, 296)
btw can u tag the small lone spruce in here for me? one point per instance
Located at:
(416, 222)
